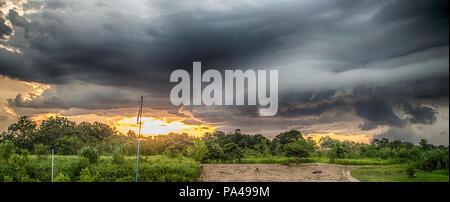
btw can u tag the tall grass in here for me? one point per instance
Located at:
(282, 159)
(151, 169)
(398, 173)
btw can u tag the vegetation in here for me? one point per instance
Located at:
(71, 168)
(398, 173)
(88, 152)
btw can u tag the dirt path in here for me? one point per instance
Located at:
(304, 172)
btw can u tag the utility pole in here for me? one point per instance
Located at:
(53, 161)
(139, 121)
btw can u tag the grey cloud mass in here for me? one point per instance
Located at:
(371, 62)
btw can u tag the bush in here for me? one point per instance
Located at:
(26, 178)
(172, 151)
(433, 160)
(41, 151)
(233, 151)
(215, 152)
(90, 153)
(410, 171)
(8, 179)
(7, 149)
(118, 157)
(62, 178)
(68, 145)
(299, 149)
(197, 151)
(85, 176)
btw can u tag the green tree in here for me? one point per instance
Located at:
(299, 149)
(285, 138)
(62, 178)
(215, 152)
(197, 151)
(102, 131)
(7, 149)
(85, 176)
(41, 151)
(22, 133)
(118, 157)
(90, 153)
(326, 142)
(172, 151)
(8, 179)
(67, 145)
(233, 151)
(424, 144)
(54, 128)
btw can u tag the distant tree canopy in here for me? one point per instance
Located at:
(59, 133)
(69, 138)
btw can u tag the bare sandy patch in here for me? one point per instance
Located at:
(304, 172)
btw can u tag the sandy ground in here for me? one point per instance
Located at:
(304, 172)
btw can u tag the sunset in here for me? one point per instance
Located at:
(245, 93)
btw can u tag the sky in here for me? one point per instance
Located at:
(349, 69)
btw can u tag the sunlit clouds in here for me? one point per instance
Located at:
(17, 6)
(152, 126)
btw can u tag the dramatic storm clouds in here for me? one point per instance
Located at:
(350, 67)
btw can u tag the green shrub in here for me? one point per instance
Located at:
(197, 151)
(85, 176)
(118, 157)
(410, 171)
(62, 178)
(41, 151)
(433, 160)
(8, 179)
(68, 145)
(90, 153)
(126, 179)
(172, 151)
(7, 149)
(26, 178)
(299, 149)
(233, 151)
(215, 152)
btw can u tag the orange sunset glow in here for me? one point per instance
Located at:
(151, 126)
(362, 138)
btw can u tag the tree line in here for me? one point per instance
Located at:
(94, 139)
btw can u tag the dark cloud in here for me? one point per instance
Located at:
(377, 112)
(420, 114)
(5, 30)
(98, 48)
(336, 58)
(16, 19)
(400, 134)
(313, 109)
(86, 96)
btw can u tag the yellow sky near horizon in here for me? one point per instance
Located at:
(151, 126)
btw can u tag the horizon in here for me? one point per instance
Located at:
(200, 134)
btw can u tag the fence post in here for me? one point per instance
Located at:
(53, 161)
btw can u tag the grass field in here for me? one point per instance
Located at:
(280, 159)
(397, 173)
(69, 168)
(161, 168)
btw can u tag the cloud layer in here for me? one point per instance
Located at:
(351, 66)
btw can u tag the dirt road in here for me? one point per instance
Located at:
(304, 172)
